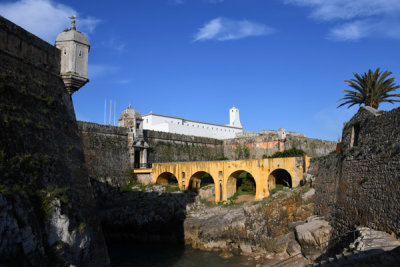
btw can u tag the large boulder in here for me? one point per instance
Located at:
(313, 236)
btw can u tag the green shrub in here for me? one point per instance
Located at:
(278, 187)
(172, 188)
(131, 182)
(293, 152)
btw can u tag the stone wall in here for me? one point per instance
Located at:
(324, 170)
(169, 147)
(268, 143)
(47, 209)
(367, 179)
(106, 152)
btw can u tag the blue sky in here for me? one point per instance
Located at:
(281, 62)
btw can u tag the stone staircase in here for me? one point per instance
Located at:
(371, 248)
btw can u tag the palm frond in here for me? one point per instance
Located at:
(370, 88)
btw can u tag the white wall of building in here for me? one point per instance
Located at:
(170, 124)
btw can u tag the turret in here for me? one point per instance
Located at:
(234, 119)
(74, 47)
(282, 134)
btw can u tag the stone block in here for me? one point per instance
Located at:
(13, 44)
(3, 39)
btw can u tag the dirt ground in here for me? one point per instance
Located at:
(245, 198)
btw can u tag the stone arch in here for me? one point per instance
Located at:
(166, 178)
(232, 182)
(279, 176)
(196, 180)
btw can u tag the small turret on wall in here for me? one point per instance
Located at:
(74, 47)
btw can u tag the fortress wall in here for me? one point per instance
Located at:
(43, 182)
(268, 144)
(367, 177)
(106, 152)
(169, 147)
(325, 170)
(26, 47)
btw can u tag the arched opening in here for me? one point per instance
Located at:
(203, 182)
(200, 179)
(169, 181)
(278, 179)
(241, 186)
(166, 178)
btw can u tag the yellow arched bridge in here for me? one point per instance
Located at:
(266, 173)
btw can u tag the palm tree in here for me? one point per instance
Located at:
(371, 89)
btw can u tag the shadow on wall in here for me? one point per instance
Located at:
(142, 220)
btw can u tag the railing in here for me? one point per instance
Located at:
(142, 165)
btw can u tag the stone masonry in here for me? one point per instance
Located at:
(47, 209)
(361, 185)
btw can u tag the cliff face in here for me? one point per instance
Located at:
(269, 143)
(47, 209)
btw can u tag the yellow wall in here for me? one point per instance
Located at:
(225, 173)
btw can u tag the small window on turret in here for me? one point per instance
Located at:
(80, 53)
(65, 51)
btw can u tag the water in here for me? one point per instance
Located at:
(160, 255)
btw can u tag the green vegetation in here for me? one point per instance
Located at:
(278, 187)
(245, 186)
(82, 227)
(293, 152)
(170, 188)
(222, 158)
(206, 180)
(242, 152)
(46, 197)
(371, 89)
(131, 182)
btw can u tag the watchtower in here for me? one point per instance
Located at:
(74, 47)
(234, 119)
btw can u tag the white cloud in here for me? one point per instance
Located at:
(351, 31)
(45, 18)
(356, 19)
(223, 29)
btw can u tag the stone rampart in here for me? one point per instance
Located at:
(106, 152)
(24, 46)
(366, 181)
(170, 147)
(269, 143)
(48, 214)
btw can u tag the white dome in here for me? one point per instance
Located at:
(72, 35)
(130, 113)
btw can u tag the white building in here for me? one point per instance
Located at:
(169, 124)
